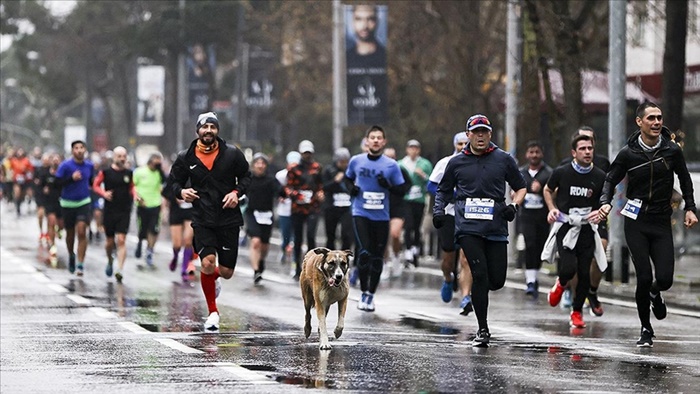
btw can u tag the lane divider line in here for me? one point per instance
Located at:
(40, 277)
(57, 288)
(80, 300)
(245, 374)
(133, 327)
(173, 344)
(103, 313)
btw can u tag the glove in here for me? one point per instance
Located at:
(438, 221)
(383, 182)
(354, 190)
(509, 212)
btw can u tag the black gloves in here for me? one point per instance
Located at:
(354, 190)
(383, 182)
(509, 212)
(438, 221)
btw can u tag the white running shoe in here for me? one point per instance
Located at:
(217, 290)
(212, 323)
(362, 303)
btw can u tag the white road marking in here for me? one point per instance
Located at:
(133, 327)
(40, 277)
(245, 374)
(28, 268)
(78, 299)
(173, 344)
(103, 313)
(57, 288)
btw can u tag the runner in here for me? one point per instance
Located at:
(370, 178)
(116, 185)
(218, 175)
(148, 181)
(336, 206)
(75, 176)
(50, 189)
(419, 168)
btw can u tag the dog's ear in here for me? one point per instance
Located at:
(348, 253)
(323, 251)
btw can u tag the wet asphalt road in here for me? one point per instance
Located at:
(60, 333)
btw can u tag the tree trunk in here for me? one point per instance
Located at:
(673, 86)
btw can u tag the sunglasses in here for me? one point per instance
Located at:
(479, 121)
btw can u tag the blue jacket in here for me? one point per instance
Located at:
(478, 177)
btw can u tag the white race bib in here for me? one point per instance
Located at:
(479, 208)
(632, 208)
(19, 179)
(341, 200)
(263, 217)
(185, 205)
(306, 196)
(533, 201)
(373, 200)
(415, 192)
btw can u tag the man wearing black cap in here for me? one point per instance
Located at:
(219, 175)
(337, 204)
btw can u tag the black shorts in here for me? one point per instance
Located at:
(397, 209)
(71, 216)
(446, 234)
(116, 223)
(255, 229)
(178, 216)
(53, 206)
(221, 241)
(149, 220)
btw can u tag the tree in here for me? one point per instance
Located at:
(673, 85)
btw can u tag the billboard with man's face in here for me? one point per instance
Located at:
(365, 58)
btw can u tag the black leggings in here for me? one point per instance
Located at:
(488, 261)
(298, 221)
(371, 237)
(535, 233)
(650, 237)
(576, 262)
(333, 218)
(413, 223)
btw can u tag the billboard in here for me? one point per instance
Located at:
(151, 91)
(201, 64)
(365, 59)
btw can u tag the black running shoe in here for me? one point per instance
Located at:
(658, 306)
(257, 277)
(138, 251)
(645, 339)
(482, 338)
(71, 263)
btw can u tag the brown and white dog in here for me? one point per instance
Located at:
(324, 282)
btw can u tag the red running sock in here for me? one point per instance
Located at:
(209, 289)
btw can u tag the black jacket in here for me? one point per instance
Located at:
(230, 172)
(650, 175)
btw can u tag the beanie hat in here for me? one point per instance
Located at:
(341, 154)
(293, 157)
(207, 117)
(460, 137)
(260, 155)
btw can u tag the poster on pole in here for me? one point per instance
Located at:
(365, 59)
(151, 91)
(201, 63)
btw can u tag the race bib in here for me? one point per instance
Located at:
(19, 179)
(631, 209)
(533, 201)
(373, 200)
(341, 200)
(415, 192)
(306, 196)
(263, 217)
(479, 208)
(185, 205)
